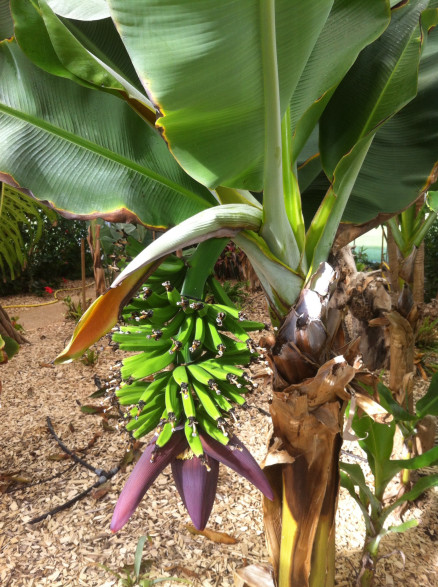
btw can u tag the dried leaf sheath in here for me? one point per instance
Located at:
(302, 462)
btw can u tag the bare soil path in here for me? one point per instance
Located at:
(68, 548)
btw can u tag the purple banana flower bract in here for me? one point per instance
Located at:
(196, 483)
(195, 478)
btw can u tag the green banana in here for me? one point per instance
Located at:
(199, 334)
(165, 435)
(173, 326)
(128, 391)
(161, 315)
(173, 295)
(252, 325)
(181, 377)
(145, 364)
(187, 402)
(222, 402)
(172, 264)
(228, 310)
(149, 299)
(148, 425)
(184, 303)
(231, 393)
(218, 371)
(130, 399)
(152, 415)
(236, 328)
(136, 342)
(219, 293)
(156, 401)
(193, 438)
(234, 346)
(213, 340)
(203, 376)
(205, 398)
(184, 334)
(158, 384)
(210, 427)
(200, 308)
(173, 405)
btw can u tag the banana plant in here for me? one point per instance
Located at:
(17, 211)
(377, 440)
(408, 230)
(288, 127)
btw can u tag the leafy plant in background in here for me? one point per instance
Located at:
(431, 263)
(22, 221)
(121, 242)
(15, 323)
(361, 258)
(90, 357)
(8, 348)
(56, 255)
(427, 334)
(253, 96)
(74, 309)
(377, 440)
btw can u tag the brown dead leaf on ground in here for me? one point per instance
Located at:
(218, 537)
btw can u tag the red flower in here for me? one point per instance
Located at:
(48, 289)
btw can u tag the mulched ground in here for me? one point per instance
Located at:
(68, 548)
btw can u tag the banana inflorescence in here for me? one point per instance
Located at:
(187, 372)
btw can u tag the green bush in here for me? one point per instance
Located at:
(431, 262)
(56, 256)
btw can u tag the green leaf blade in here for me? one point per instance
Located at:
(382, 80)
(109, 165)
(216, 129)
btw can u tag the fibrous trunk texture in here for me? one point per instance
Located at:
(418, 285)
(6, 328)
(310, 378)
(392, 261)
(94, 244)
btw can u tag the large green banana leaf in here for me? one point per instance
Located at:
(87, 152)
(80, 9)
(401, 161)
(216, 123)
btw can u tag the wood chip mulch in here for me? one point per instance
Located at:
(68, 548)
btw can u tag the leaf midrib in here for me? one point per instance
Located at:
(101, 151)
(366, 128)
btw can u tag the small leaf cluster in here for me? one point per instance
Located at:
(377, 440)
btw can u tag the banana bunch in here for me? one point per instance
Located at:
(192, 351)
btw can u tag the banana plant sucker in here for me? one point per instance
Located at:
(409, 230)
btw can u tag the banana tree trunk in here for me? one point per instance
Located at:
(418, 285)
(94, 244)
(300, 523)
(303, 457)
(392, 260)
(6, 328)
